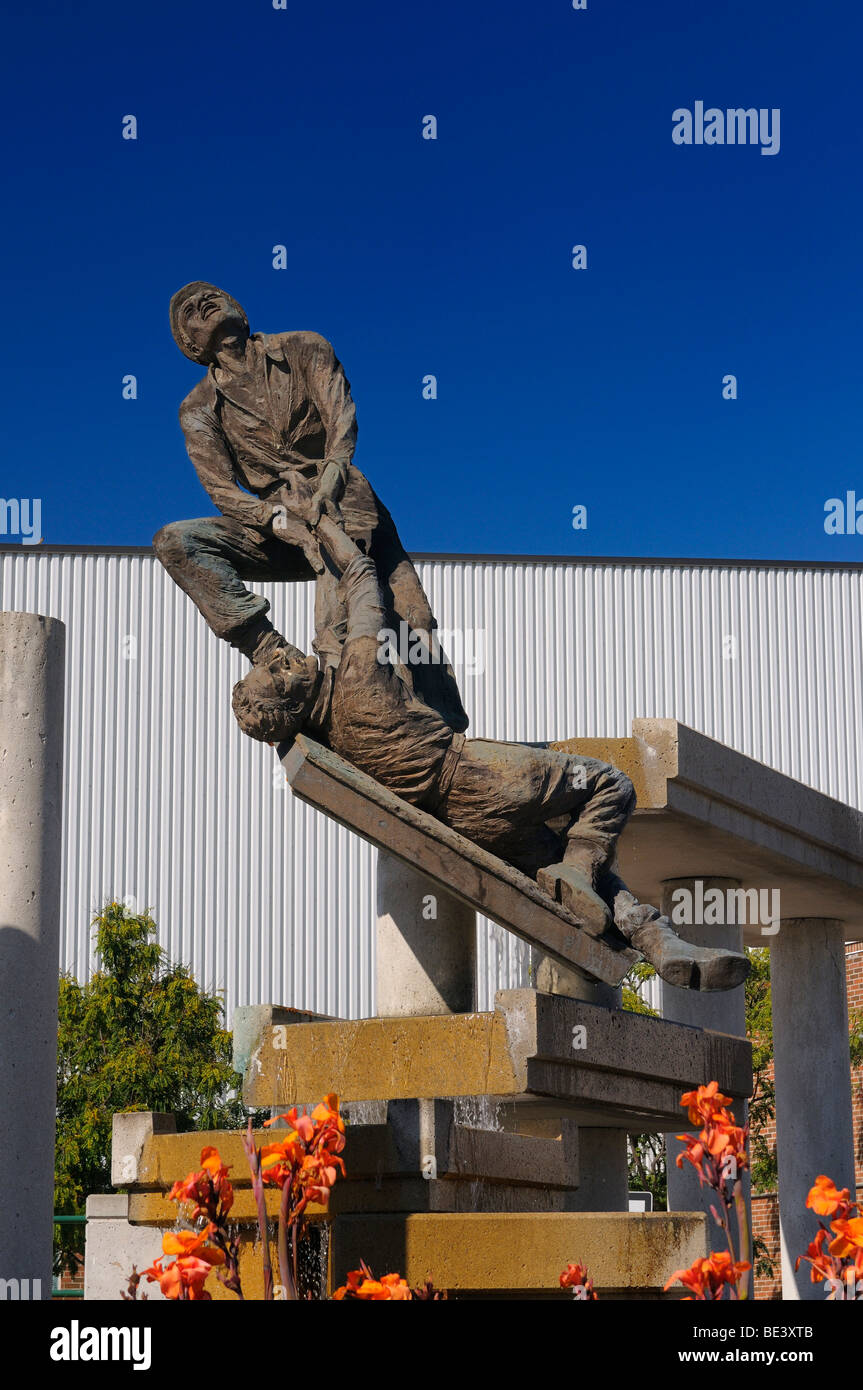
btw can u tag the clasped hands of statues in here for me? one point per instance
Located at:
(297, 514)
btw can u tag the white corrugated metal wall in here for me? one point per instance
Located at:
(169, 804)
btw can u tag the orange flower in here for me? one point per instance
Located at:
(721, 1140)
(206, 1188)
(822, 1265)
(707, 1278)
(825, 1198)
(363, 1284)
(328, 1111)
(192, 1243)
(397, 1288)
(324, 1117)
(282, 1156)
(189, 1273)
(307, 1158)
(849, 1237)
(705, 1102)
(355, 1278)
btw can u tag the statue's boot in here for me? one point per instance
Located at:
(676, 961)
(571, 888)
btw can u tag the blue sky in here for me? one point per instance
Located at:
(556, 387)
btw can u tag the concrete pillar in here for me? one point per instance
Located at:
(113, 1247)
(814, 1132)
(603, 1164)
(723, 1012)
(32, 658)
(426, 945)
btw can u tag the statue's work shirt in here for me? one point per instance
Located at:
(374, 719)
(292, 416)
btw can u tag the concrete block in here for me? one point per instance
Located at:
(602, 1066)
(113, 1247)
(521, 1253)
(256, 1026)
(129, 1135)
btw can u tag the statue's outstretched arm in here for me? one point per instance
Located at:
(209, 452)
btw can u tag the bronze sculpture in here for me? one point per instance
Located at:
(274, 414)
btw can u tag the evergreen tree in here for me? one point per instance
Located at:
(139, 1035)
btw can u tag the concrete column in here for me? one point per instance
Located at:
(32, 658)
(723, 1012)
(603, 1165)
(426, 945)
(814, 1132)
(114, 1246)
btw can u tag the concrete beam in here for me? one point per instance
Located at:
(704, 806)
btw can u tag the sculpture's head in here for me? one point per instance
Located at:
(202, 316)
(273, 701)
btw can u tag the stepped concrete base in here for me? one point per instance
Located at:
(422, 1160)
(482, 1212)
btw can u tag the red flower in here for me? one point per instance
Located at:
(209, 1188)
(576, 1277)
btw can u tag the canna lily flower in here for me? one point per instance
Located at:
(187, 1243)
(397, 1288)
(707, 1278)
(362, 1284)
(718, 1144)
(705, 1102)
(825, 1198)
(188, 1273)
(849, 1238)
(575, 1276)
(278, 1157)
(207, 1188)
